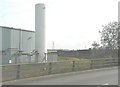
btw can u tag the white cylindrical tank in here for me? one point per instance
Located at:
(119, 12)
(1, 51)
(40, 39)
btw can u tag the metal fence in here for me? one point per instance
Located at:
(20, 71)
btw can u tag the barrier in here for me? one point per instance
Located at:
(20, 71)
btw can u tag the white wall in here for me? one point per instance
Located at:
(6, 43)
(15, 39)
(52, 57)
(27, 45)
(0, 45)
(28, 41)
(11, 38)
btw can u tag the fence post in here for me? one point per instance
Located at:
(50, 68)
(73, 68)
(91, 64)
(18, 72)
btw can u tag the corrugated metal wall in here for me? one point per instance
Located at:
(6, 44)
(14, 44)
(0, 45)
(14, 40)
(28, 41)
(27, 45)
(52, 56)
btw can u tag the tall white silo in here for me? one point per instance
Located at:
(1, 47)
(119, 30)
(119, 11)
(40, 42)
(0, 54)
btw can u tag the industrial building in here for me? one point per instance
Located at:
(25, 46)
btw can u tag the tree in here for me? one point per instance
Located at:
(109, 35)
(95, 45)
(119, 36)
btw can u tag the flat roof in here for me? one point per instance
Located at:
(16, 29)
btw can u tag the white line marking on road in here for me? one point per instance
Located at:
(106, 84)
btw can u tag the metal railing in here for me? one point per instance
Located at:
(20, 71)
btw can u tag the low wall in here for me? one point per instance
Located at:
(20, 71)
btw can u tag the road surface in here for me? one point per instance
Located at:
(106, 76)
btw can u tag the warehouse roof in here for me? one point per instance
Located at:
(16, 29)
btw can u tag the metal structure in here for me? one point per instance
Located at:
(40, 43)
(25, 46)
(119, 11)
(0, 46)
(15, 43)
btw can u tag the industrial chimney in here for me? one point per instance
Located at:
(40, 41)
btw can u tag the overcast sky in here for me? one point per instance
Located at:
(71, 24)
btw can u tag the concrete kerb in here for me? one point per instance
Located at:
(54, 76)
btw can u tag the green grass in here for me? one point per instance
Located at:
(80, 63)
(68, 58)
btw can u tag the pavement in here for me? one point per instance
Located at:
(104, 76)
